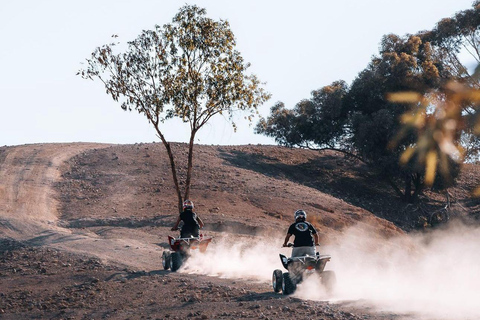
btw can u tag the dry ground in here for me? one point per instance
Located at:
(83, 226)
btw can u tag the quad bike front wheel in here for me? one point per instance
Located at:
(329, 280)
(288, 286)
(177, 260)
(166, 260)
(277, 280)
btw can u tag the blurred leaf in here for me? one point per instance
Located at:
(430, 167)
(473, 95)
(405, 97)
(407, 155)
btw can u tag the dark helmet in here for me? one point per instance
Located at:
(187, 204)
(300, 214)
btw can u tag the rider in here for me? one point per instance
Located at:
(191, 221)
(306, 237)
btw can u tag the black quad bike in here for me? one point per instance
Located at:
(300, 267)
(180, 250)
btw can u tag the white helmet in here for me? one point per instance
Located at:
(300, 214)
(187, 204)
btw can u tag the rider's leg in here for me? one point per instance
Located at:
(196, 232)
(185, 234)
(303, 251)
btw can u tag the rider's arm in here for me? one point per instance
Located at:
(286, 239)
(200, 222)
(175, 227)
(315, 237)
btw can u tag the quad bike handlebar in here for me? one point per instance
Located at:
(289, 245)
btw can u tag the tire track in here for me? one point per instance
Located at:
(29, 210)
(27, 176)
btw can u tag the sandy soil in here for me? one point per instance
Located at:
(83, 227)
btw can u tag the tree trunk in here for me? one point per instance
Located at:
(189, 165)
(417, 182)
(174, 170)
(447, 197)
(394, 186)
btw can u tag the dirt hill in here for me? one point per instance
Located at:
(83, 227)
(245, 187)
(249, 189)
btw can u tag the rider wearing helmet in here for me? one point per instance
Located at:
(306, 237)
(191, 221)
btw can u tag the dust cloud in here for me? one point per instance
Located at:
(434, 275)
(254, 259)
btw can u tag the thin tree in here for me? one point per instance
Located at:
(188, 69)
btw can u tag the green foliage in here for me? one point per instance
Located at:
(404, 64)
(360, 119)
(314, 123)
(279, 125)
(403, 105)
(452, 36)
(187, 69)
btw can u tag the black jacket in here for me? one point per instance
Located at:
(190, 224)
(303, 232)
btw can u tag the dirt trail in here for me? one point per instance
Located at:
(28, 172)
(28, 207)
(56, 286)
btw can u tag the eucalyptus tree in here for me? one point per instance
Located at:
(456, 38)
(318, 123)
(359, 120)
(187, 69)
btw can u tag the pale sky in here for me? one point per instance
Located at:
(294, 46)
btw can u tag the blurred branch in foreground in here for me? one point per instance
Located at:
(438, 119)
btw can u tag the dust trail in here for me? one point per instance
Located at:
(253, 259)
(435, 275)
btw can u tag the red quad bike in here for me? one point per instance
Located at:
(180, 250)
(300, 267)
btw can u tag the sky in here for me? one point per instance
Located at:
(295, 47)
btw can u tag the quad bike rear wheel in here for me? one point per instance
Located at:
(328, 280)
(277, 280)
(288, 286)
(177, 261)
(166, 260)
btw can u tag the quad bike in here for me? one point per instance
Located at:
(300, 267)
(180, 250)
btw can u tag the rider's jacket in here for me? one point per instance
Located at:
(190, 224)
(303, 232)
